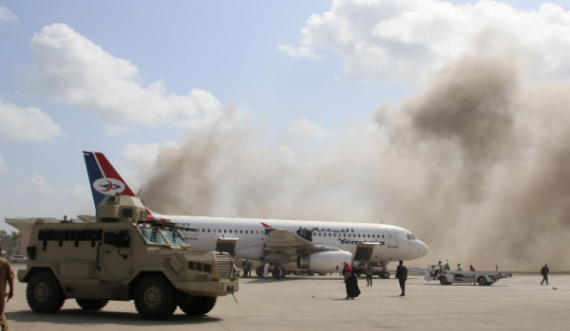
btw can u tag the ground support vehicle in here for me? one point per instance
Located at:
(18, 259)
(447, 277)
(123, 256)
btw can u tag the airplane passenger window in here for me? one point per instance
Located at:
(230, 231)
(368, 236)
(319, 234)
(256, 231)
(203, 230)
(335, 234)
(329, 234)
(224, 230)
(358, 235)
(236, 231)
(349, 235)
(219, 230)
(382, 236)
(208, 230)
(240, 231)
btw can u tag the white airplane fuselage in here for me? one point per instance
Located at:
(395, 243)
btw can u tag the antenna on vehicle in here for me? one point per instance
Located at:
(139, 193)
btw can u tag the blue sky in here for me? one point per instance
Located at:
(228, 49)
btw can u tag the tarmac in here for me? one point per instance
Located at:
(318, 303)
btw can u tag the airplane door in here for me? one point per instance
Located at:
(364, 251)
(392, 239)
(227, 245)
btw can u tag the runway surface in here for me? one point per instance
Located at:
(317, 303)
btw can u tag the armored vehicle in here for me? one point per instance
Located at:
(123, 256)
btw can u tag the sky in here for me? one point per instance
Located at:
(128, 78)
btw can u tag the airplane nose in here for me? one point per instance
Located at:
(423, 249)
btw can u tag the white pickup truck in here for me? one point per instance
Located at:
(447, 277)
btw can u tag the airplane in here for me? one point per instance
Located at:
(298, 246)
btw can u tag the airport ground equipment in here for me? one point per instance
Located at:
(447, 277)
(122, 256)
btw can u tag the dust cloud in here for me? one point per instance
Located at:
(477, 165)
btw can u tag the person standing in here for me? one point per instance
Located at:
(6, 277)
(369, 271)
(459, 267)
(352, 290)
(544, 272)
(266, 270)
(471, 268)
(440, 266)
(402, 275)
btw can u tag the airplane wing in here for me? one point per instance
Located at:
(286, 240)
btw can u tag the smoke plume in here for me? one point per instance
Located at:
(477, 165)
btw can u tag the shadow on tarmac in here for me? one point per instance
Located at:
(80, 316)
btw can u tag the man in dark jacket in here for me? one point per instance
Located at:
(544, 272)
(402, 275)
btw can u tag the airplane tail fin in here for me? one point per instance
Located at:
(103, 178)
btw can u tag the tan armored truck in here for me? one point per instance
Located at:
(122, 256)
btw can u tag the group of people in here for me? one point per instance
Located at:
(305, 233)
(443, 267)
(351, 282)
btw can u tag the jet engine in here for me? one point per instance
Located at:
(328, 261)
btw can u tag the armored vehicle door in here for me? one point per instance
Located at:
(115, 256)
(364, 251)
(227, 245)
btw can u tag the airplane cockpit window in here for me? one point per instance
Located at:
(410, 236)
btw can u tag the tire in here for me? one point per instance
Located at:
(481, 280)
(322, 273)
(44, 294)
(310, 273)
(275, 273)
(443, 280)
(386, 275)
(197, 306)
(155, 298)
(91, 305)
(259, 271)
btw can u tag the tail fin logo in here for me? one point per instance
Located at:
(108, 186)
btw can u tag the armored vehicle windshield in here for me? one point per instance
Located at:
(162, 236)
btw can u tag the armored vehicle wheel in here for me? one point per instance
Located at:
(482, 281)
(197, 306)
(155, 298)
(259, 271)
(91, 305)
(443, 281)
(44, 294)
